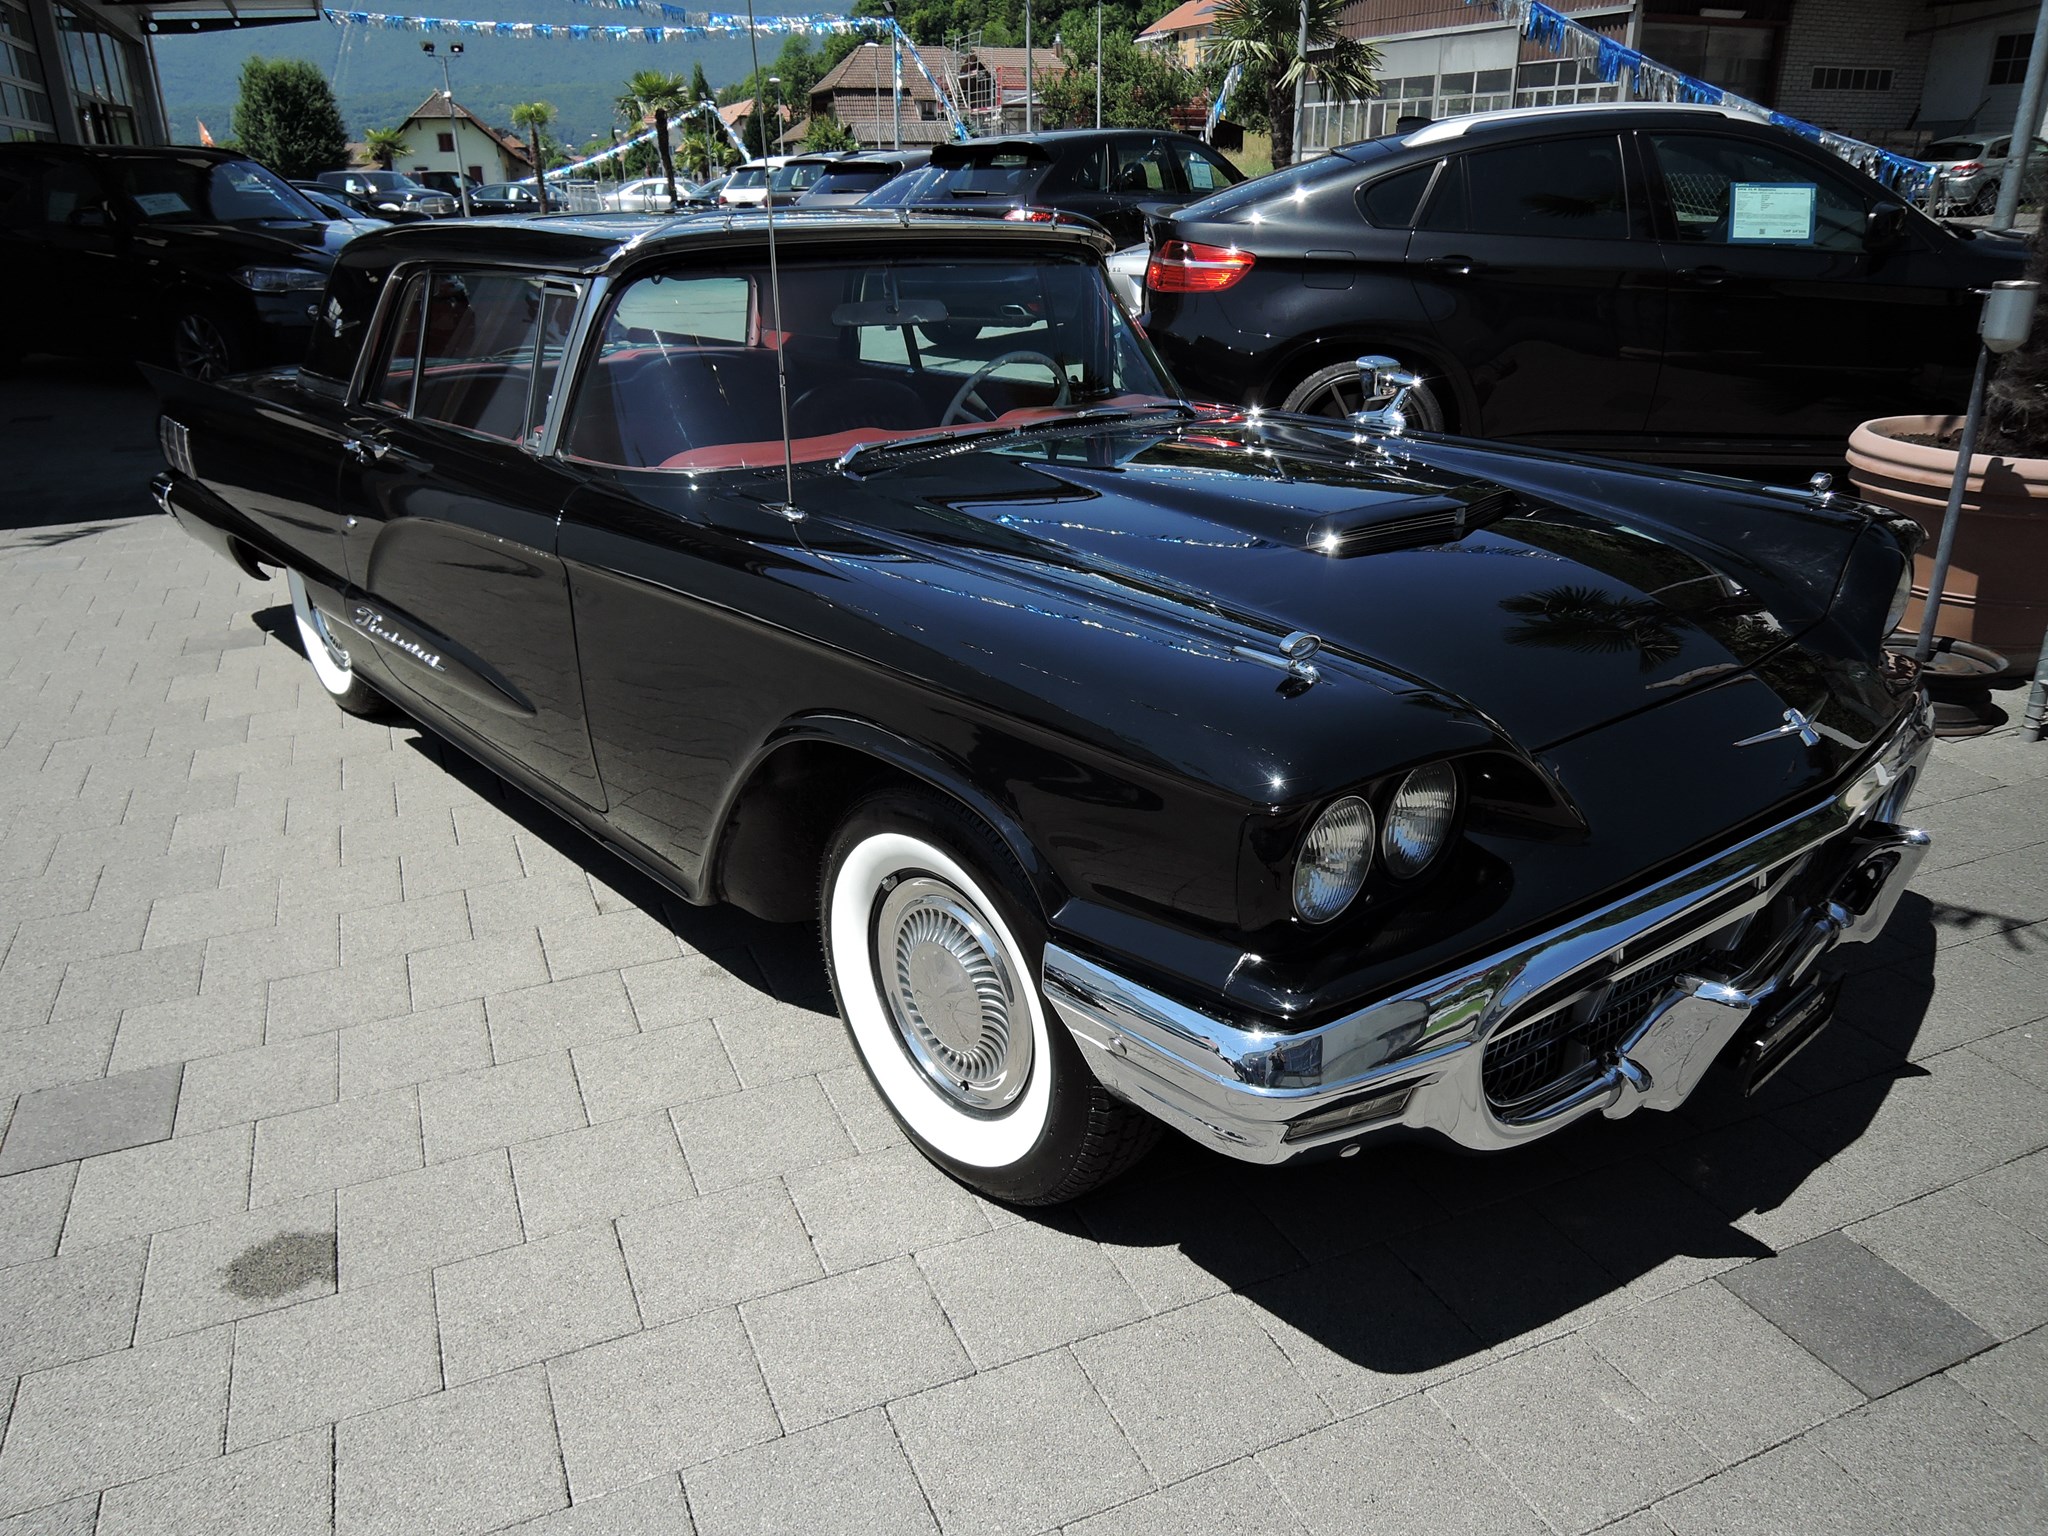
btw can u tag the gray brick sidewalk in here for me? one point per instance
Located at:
(379, 1156)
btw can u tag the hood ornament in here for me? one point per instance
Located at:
(1796, 723)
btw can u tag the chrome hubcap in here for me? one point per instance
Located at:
(336, 652)
(952, 993)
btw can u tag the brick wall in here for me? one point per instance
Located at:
(1854, 34)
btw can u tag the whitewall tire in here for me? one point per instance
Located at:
(934, 949)
(320, 638)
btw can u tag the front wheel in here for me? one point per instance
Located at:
(934, 949)
(208, 344)
(1340, 390)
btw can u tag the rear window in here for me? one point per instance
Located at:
(848, 183)
(1296, 178)
(1953, 149)
(747, 177)
(800, 176)
(906, 191)
(998, 176)
(1560, 188)
(1390, 202)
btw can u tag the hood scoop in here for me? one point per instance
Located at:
(1411, 522)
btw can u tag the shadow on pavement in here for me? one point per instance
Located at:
(79, 442)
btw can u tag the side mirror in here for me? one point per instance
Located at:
(1884, 226)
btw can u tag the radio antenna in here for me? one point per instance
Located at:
(789, 507)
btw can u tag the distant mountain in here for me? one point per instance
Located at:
(379, 76)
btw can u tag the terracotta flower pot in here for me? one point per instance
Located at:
(1997, 589)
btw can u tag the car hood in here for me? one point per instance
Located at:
(1549, 601)
(310, 244)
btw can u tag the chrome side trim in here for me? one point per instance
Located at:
(1237, 1088)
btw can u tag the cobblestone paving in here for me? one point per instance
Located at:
(379, 1157)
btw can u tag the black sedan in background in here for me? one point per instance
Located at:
(1119, 177)
(507, 197)
(197, 255)
(1674, 284)
(388, 190)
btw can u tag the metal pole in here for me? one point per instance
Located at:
(1945, 546)
(455, 135)
(896, 85)
(2025, 124)
(2037, 696)
(1300, 81)
(1027, 67)
(1098, 63)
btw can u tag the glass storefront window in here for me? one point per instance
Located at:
(97, 67)
(24, 96)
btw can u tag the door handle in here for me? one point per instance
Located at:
(1706, 277)
(371, 450)
(1460, 266)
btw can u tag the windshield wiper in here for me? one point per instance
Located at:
(926, 447)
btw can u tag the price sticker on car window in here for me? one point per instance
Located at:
(1768, 212)
(156, 205)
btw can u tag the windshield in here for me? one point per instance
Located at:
(1954, 149)
(685, 376)
(208, 191)
(746, 178)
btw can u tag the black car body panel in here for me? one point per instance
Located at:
(90, 269)
(1565, 277)
(1119, 177)
(1072, 626)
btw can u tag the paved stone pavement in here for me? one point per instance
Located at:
(379, 1157)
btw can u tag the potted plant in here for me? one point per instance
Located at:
(1996, 594)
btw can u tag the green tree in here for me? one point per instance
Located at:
(653, 93)
(1264, 36)
(700, 88)
(1140, 86)
(386, 145)
(827, 132)
(534, 117)
(286, 118)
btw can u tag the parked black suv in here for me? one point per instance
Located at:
(389, 190)
(1116, 176)
(1677, 284)
(195, 254)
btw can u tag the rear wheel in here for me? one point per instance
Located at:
(319, 639)
(1340, 390)
(934, 949)
(1986, 200)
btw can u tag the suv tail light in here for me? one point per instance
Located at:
(1966, 168)
(1187, 266)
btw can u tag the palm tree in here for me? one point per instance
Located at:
(386, 145)
(1265, 37)
(534, 117)
(699, 152)
(651, 93)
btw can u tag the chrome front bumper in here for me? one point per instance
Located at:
(1416, 1059)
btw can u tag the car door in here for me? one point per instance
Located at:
(1534, 265)
(1787, 324)
(456, 588)
(62, 242)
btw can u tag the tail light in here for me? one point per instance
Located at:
(1031, 216)
(1187, 266)
(1967, 168)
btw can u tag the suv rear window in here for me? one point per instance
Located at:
(1390, 202)
(998, 176)
(852, 181)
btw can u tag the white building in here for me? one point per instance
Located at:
(441, 135)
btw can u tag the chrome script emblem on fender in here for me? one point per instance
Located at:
(375, 625)
(1796, 724)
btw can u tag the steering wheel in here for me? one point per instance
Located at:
(957, 412)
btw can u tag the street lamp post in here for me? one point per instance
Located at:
(454, 135)
(1098, 63)
(895, 71)
(1027, 67)
(1300, 81)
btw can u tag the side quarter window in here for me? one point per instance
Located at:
(1570, 189)
(398, 362)
(477, 354)
(1725, 191)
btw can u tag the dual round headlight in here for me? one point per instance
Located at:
(1336, 856)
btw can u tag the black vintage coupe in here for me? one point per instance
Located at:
(1676, 284)
(1283, 780)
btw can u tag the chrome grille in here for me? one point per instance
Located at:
(177, 445)
(1525, 1062)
